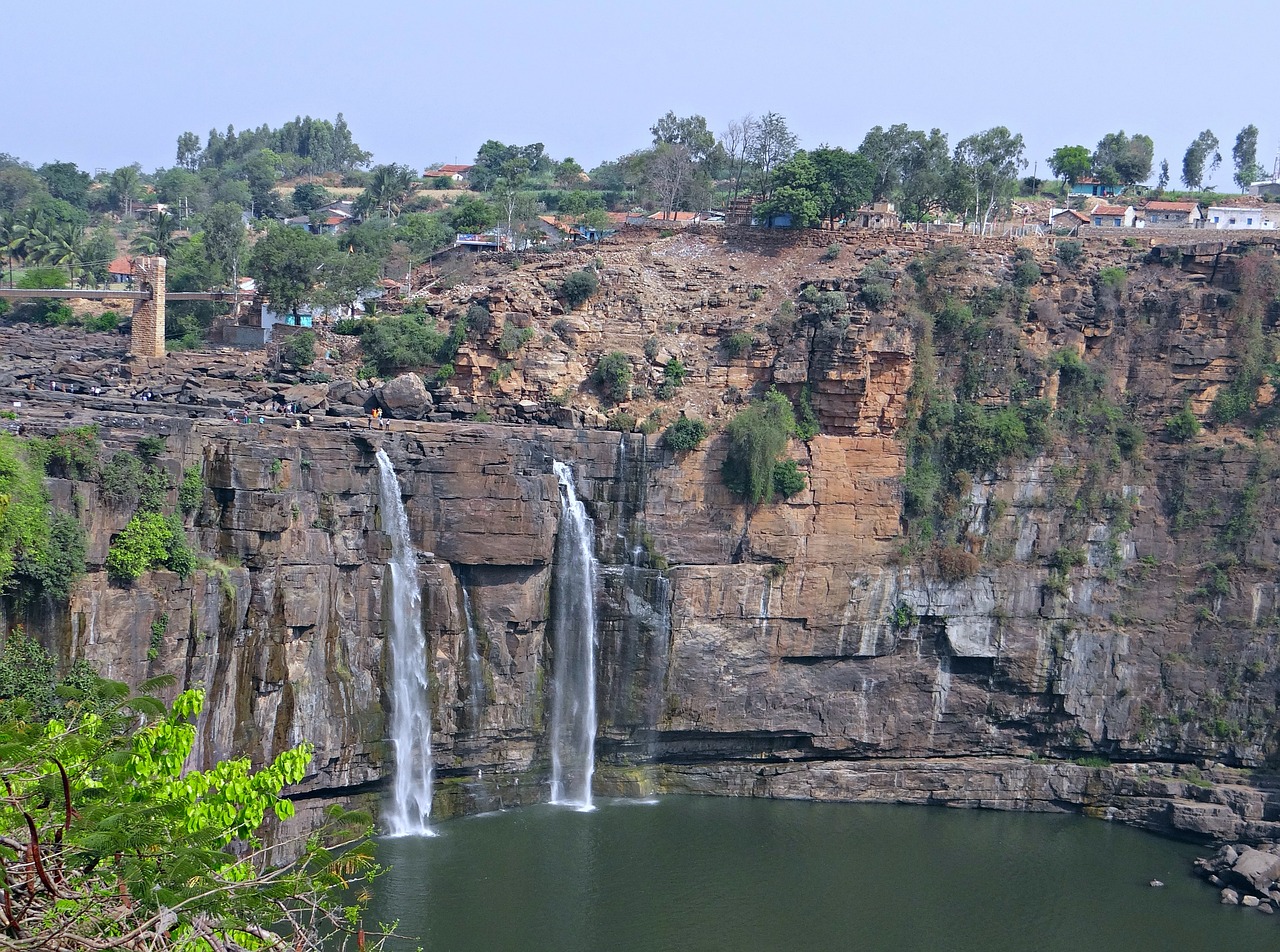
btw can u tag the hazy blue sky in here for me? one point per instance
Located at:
(96, 82)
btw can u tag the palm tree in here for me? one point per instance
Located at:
(388, 187)
(30, 234)
(65, 248)
(8, 235)
(159, 238)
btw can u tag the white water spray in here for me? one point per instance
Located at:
(410, 811)
(573, 676)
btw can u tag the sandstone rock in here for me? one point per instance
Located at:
(405, 397)
(1230, 897)
(306, 396)
(1255, 869)
(1249, 901)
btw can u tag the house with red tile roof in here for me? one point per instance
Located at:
(120, 271)
(456, 173)
(1161, 214)
(1113, 216)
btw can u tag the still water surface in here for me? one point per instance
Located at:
(711, 874)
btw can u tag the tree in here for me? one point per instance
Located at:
(507, 186)
(65, 181)
(734, 142)
(188, 150)
(492, 155)
(286, 263)
(18, 187)
(987, 163)
(1204, 148)
(344, 276)
(158, 238)
(1070, 163)
(770, 144)
(1163, 181)
(123, 186)
(692, 133)
(223, 242)
(669, 175)
(1244, 155)
(1123, 160)
(310, 195)
(568, 174)
(66, 249)
(924, 174)
(471, 215)
(887, 151)
(389, 186)
(848, 179)
(423, 233)
(113, 843)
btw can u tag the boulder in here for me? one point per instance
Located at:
(1230, 897)
(306, 396)
(1255, 870)
(1250, 901)
(405, 397)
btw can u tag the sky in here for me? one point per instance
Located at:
(422, 82)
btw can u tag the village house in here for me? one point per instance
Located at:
(332, 219)
(1113, 216)
(455, 173)
(1091, 186)
(1235, 218)
(1161, 214)
(120, 271)
(881, 216)
(1266, 189)
(1067, 219)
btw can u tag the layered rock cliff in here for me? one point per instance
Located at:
(1087, 619)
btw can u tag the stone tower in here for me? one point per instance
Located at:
(147, 339)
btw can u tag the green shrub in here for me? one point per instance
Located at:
(1113, 279)
(613, 375)
(686, 433)
(806, 420)
(513, 338)
(479, 320)
(153, 490)
(954, 317)
(1069, 252)
(120, 479)
(70, 453)
(348, 326)
(875, 294)
(673, 375)
(737, 343)
(1026, 273)
(103, 323)
(147, 541)
(1129, 440)
(757, 437)
(444, 372)
(622, 421)
(1183, 426)
(787, 479)
(150, 448)
(832, 252)
(500, 372)
(903, 617)
(24, 514)
(1066, 558)
(299, 350)
(578, 287)
(651, 346)
(52, 568)
(406, 342)
(191, 489)
(158, 629)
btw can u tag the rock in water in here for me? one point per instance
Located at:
(1230, 897)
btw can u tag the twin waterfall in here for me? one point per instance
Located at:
(573, 670)
(573, 679)
(410, 811)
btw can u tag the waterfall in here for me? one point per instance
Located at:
(475, 672)
(573, 676)
(410, 811)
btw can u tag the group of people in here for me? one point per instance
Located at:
(377, 419)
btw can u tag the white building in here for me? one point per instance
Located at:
(1240, 217)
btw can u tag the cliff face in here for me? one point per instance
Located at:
(1092, 597)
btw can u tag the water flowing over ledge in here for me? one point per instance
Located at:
(410, 811)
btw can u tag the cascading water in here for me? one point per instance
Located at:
(475, 673)
(410, 811)
(573, 676)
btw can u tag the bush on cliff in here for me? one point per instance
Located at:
(404, 342)
(685, 434)
(578, 287)
(148, 541)
(757, 437)
(613, 375)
